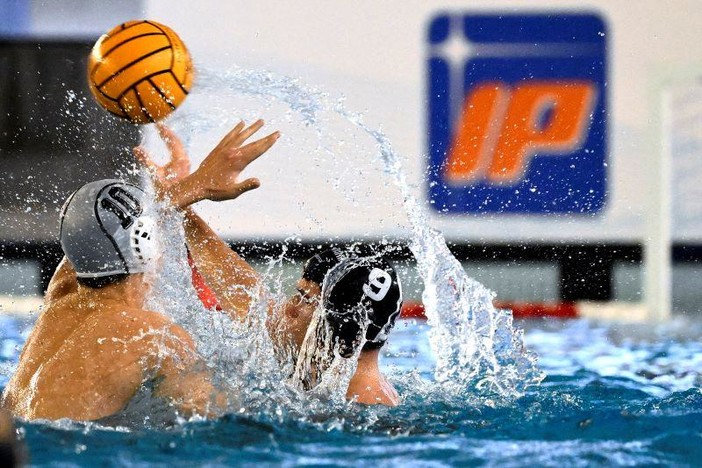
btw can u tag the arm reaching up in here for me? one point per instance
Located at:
(233, 280)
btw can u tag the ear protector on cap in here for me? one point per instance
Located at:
(142, 239)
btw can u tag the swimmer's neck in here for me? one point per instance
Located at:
(368, 385)
(129, 292)
(368, 363)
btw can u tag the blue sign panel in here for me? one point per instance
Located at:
(517, 113)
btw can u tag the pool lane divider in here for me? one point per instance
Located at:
(616, 311)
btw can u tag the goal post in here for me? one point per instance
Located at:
(673, 107)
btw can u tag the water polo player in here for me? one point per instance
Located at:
(356, 300)
(95, 348)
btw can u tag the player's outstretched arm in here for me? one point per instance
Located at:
(231, 278)
(234, 282)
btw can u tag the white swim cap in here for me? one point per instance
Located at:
(104, 231)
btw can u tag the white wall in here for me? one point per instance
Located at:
(374, 54)
(77, 18)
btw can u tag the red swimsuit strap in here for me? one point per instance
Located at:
(206, 295)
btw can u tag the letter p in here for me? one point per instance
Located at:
(542, 118)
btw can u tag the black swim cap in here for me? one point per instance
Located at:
(356, 290)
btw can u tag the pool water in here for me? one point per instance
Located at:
(613, 395)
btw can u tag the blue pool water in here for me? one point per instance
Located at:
(613, 395)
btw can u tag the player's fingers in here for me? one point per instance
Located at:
(247, 185)
(174, 144)
(255, 149)
(247, 132)
(233, 133)
(143, 158)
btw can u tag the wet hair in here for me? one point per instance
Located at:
(358, 293)
(101, 281)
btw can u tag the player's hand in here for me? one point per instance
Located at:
(178, 165)
(218, 174)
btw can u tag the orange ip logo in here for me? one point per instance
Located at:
(501, 128)
(517, 114)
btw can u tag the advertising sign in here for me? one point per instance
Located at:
(517, 112)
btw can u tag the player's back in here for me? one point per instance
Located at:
(83, 360)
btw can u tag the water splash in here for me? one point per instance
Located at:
(475, 344)
(241, 356)
(472, 340)
(319, 366)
